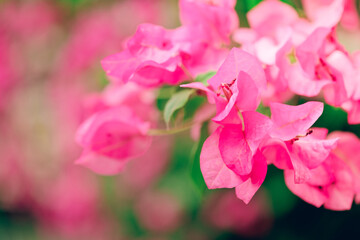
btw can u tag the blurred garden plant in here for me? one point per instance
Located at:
(106, 136)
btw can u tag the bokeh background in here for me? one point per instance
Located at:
(50, 52)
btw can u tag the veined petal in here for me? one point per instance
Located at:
(290, 121)
(246, 190)
(308, 193)
(235, 150)
(216, 173)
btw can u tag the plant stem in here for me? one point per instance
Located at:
(164, 132)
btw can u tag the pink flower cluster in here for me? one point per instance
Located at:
(280, 55)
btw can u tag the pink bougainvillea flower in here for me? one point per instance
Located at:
(139, 99)
(116, 127)
(217, 18)
(293, 146)
(350, 67)
(350, 18)
(155, 56)
(270, 39)
(268, 16)
(150, 58)
(237, 84)
(330, 184)
(348, 150)
(110, 138)
(336, 181)
(199, 54)
(314, 72)
(230, 156)
(345, 9)
(318, 11)
(295, 51)
(238, 146)
(272, 25)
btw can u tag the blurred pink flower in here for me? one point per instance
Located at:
(110, 138)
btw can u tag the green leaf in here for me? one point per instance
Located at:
(192, 106)
(283, 201)
(195, 171)
(263, 110)
(332, 113)
(163, 96)
(252, 3)
(177, 101)
(203, 78)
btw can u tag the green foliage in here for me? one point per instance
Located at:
(283, 201)
(177, 179)
(195, 171)
(74, 3)
(164, 94)
(251, 3)
(203, 78)
(192, 106)
(17, 226)
(244, 6)
(177, 101)
(264, 110)
(332, 118)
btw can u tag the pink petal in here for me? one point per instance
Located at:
(101, 164)
(321, 176)
(114, 133)
(257, 126)
(277, 153)
(239, 60)
(350, 20)
(248, 97)
(218, 18)
(341, 192)
(198, 85)
(353, 110)
(303, 84)
(313, 152)
(224, 110)
(308, 52)
(120, 66)
(342, 62)
(235, 150)
(290, 121)
(319, 133)
(216, 173)
(246, 190)
(244, 35)
(319, 11)
(301, 171)
(265, 20)
(308, 193)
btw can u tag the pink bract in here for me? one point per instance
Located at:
(110, 138)
(230, 156)
(217, 18)
(290, 121)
